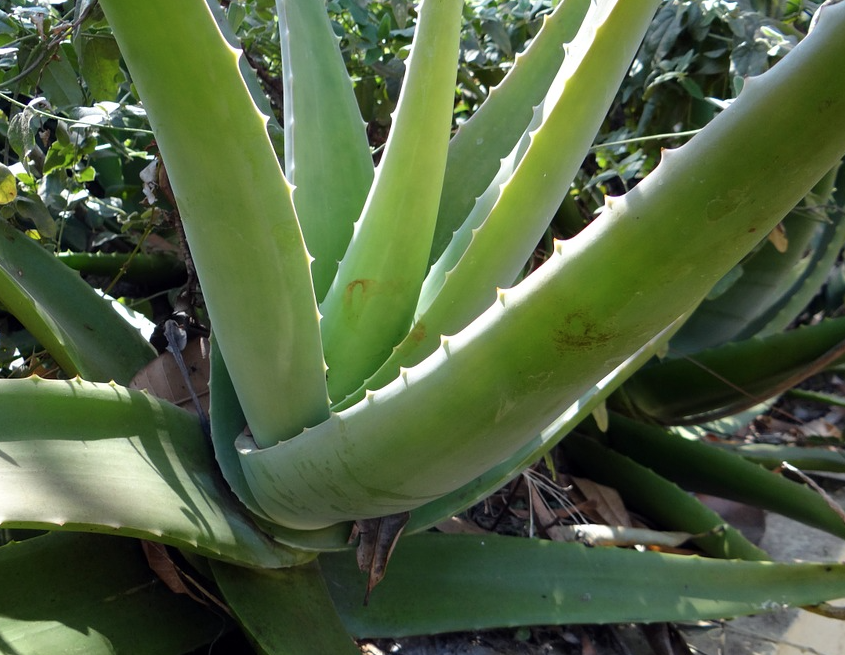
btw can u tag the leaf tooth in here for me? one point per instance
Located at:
(558, 246)
(444, 344)
(500, 296)
(668, 154)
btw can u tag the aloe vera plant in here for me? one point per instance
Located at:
(365, 363)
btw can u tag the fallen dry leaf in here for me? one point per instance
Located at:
(378, 538)
(607, 535)
(608, 503)
(163, 379)
(457, 525)
(174, 578)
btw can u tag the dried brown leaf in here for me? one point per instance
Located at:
(608, 502)
(175, 578)
(778, 238)
(820, 427)
(162, 377)
(378, 538)
(457, 525)
(545, 516)
(606, 535)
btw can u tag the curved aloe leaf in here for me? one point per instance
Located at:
(250, 77)
(153, 270)
(738, 375)
(327, 156)
(82, 593)
(77, 326)
(827, 248)
(441, 583)
(92, 457)
(502, 230)
(548, 340)
(484, 485)
(661, 501)
(371, 302)
(227, 419)
(806, 458)
(772, 283)
(698, 467)
(236, 207)
(491, 132)
(336, 537)
(287, 611)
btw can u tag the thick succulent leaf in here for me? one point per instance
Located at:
(154, 270)
(493, 387)
(83, 593)
(77, 327)
(666, 504)
(491, 480)
(696, 466)
(327, 156)
(826, 250)
(228, 419)
(491, 132)
(491, 247)
(772, 283)
(336, 537)
(806, 458)
(441, 583)
(250, 78)
(286, 611)
(92, 457)
(371, 302)
(726, 379)
(236, 208)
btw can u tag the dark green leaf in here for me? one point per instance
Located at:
(287, 611)
(442, 583)
(60, 84)
(83, 593)
(100, 66)
(33, 209)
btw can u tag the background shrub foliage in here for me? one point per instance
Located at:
(74, 126)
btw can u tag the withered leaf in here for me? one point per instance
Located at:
(162, 377)
(174, 578)
(608, 502)
(378, 538)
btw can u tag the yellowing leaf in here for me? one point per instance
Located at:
(778, 238)
(8, 185)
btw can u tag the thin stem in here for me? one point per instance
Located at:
(73, 122)
(640, 139)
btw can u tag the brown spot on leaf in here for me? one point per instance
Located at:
(578, 331)
(364, 285)
(418, 332)
(358, 291)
